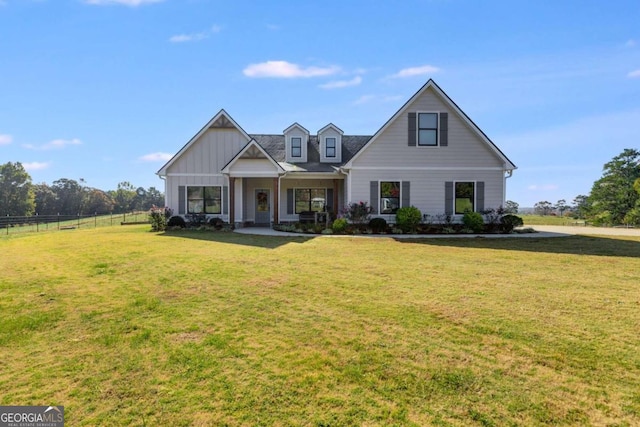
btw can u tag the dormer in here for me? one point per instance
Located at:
(330, 138)
(296, 140)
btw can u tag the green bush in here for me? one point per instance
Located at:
(358, 213)
(509, 222)
(408, 218)
(378, 225)
(176, 221)
(339, 225)
(473, 221)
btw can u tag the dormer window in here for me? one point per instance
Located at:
(330, 147)
(296, 147)
(330, 140)
(297, 141)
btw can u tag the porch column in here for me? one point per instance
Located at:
(232, 201)
(336, 187)
(276, 201)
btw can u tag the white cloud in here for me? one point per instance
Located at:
(194, 37)
(286, 70)
(337, 84)
(545, 187)
(364, 99)
(131, 3)
(182, 38)
(56, 144)
(415, 71)
(634, 74)
(5, 139)
(35, 166)
(630, 43)
(156, 157)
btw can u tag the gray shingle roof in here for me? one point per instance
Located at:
(274, 145)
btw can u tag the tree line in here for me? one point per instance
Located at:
(614, 198)
(20, 197)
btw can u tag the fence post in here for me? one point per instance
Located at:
(95, 219)
(37, 226)
(78, 219)
(58, 221)
(7, 224)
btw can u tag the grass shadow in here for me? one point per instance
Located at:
(621, 246)
(266, 242)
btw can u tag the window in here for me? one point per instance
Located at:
(464, 197)
(310, 199)
(204, 200)
(428, 129)
(389, 197)
(296, 147)
(331, 147)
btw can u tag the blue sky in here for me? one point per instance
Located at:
(105, 90)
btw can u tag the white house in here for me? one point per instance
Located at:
(429, 155)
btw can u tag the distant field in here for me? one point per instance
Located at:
(127, 327)
(549, 220)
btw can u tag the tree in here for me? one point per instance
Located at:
(153, 197)
(543, 208)
(511, 207)
(97, 201)
(46, 199)
(70, 196)
(125, 197)
(581, 206)
(613, 195)
(16, 190)
(561, 206)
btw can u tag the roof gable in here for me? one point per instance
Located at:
(222, 120)
(294, 126)
(252, 150)
(455, 109)
(331, 126)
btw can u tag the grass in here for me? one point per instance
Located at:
(549, 220)
(44, 223)
(127, 327)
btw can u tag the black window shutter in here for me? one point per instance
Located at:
(448, 198)
(225, 200)
(373, 196)
(329, 202)
(479, 196)
(290, 201)
(182, 199)
(444, 129)
(412, 129)
(406, 196)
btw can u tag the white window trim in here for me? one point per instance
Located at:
(475, 196)
(335, 147)
(380, 197)
(437, 113)
(291, 138)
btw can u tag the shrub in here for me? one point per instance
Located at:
(158, 218)
(176, 221)
(378, 225)
(216, 223)
(509, 222)
(358, 213)
(473, 221)
(339, 225)
(408, 218)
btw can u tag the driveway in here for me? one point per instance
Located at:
(593, 231)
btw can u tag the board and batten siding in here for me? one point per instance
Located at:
(427, 187)
(201, 163)
(464, 148)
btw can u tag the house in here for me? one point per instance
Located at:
(429, 154)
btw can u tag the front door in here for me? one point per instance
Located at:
(263, 213)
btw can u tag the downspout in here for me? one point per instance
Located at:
(509, 173)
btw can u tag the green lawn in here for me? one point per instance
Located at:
(549, 220)
(127, 327)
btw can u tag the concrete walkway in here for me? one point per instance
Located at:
(543, 231)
